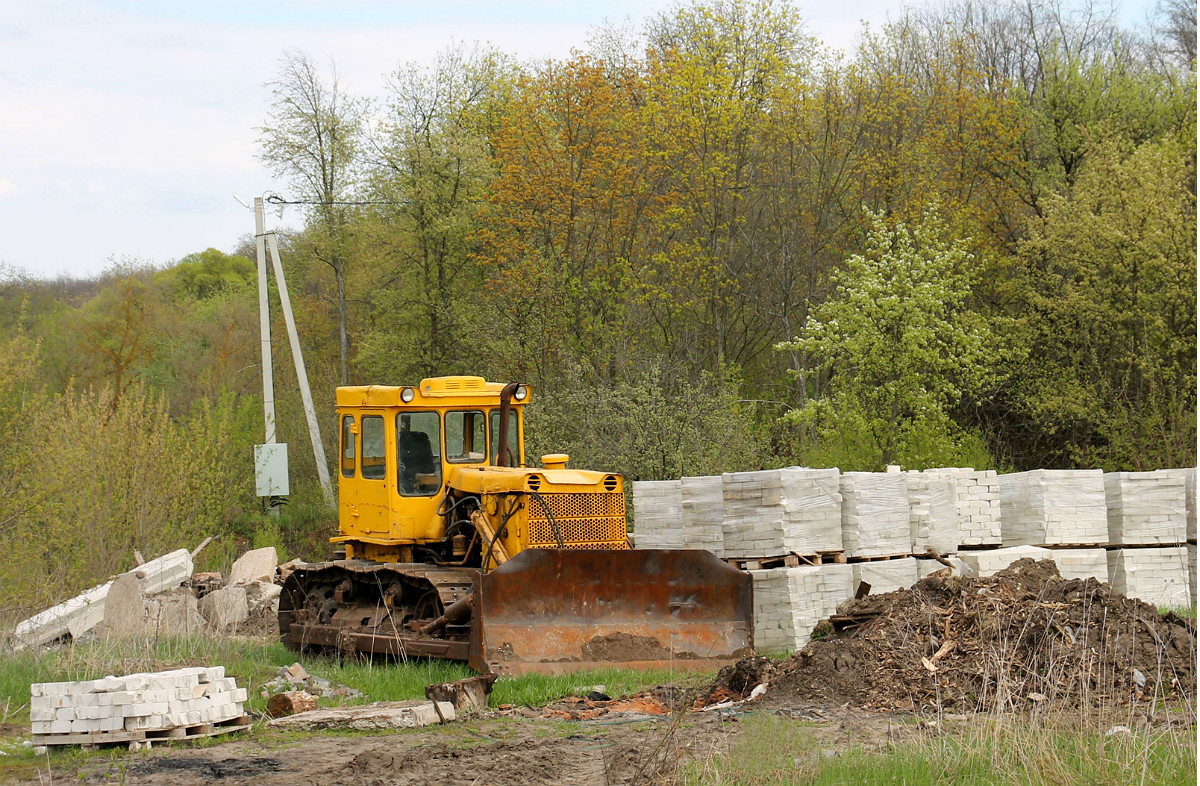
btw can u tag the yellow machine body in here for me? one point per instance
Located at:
(456, 548)
(388, 508)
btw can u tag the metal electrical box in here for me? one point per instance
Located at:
(271, 470)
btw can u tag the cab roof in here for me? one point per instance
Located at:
(432, 392)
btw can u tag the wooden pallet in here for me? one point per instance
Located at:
(792, 560)
(141, 739)
(880, 558)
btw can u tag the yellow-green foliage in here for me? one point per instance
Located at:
(100, 480)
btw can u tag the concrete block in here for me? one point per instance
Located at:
(986, 563)
(255, 565)
(1081, 563)
(884, 575)
(1146, 507)
(225, 607)
(1050, 507)
(124, 609)
(1158, 576)
(875, 514)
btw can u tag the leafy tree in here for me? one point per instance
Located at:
(1109, 316)
(207, 273)
(429, 182)
(313, 137)
(899, 350)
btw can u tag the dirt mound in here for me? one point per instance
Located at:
(1023, 636)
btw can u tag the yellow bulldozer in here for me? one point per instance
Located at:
(455, 548)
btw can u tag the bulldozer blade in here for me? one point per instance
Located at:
(557, 610)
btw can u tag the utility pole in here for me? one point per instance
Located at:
(263, 241)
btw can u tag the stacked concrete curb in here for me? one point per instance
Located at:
(156, 701)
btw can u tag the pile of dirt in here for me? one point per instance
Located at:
(1022, 637)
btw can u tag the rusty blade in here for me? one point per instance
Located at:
(553, 610)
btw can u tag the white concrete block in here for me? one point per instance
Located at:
(1147, 507)
(885, 575)
(1158, 576)
(991, 561)
(875, 514)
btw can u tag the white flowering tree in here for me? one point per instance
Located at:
(897, 349)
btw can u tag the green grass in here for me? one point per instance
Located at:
(254, 663)
(1011, 750)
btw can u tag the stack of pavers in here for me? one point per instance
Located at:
(789, 602)
(1148, 518)
(1060, 509)
(977, 499)
(782, 511)
(137, 709)
(657, 514)
(875, 515)
(702, 501)
(932, 513)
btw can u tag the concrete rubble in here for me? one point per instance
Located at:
(368, 717)
(254, 565)
(296, 677)
(223, 609)
(81, 614)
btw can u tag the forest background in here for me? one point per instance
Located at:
(711, 244)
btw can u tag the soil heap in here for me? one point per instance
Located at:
(1022, 637)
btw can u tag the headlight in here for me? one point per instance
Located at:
(407, 395)
(521, 392)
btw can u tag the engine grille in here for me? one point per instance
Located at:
(586, 521)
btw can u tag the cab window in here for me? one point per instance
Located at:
(513, 437)
(374, 448)
(349, 451)
(418, 452)
(464, 437)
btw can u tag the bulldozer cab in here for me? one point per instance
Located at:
(399, 448)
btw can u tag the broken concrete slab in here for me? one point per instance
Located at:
(124, 608)
(175, 613)
(263, 597)
(224, 608)
(255, 565)
(84, 612)
(382, 715)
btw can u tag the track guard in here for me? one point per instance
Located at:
(559, 610)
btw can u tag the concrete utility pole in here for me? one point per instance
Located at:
(264, 324)
(264, 238)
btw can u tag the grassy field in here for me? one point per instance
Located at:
(767, 750)
(254, 663)
(986, 751)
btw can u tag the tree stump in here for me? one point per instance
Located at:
(463, 694)
(290, 702)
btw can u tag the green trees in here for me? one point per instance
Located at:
(898, 349)
(312, 137)
(1109, 313)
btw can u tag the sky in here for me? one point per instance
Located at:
(128, 126)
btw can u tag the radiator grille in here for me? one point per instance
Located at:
(586, 521)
